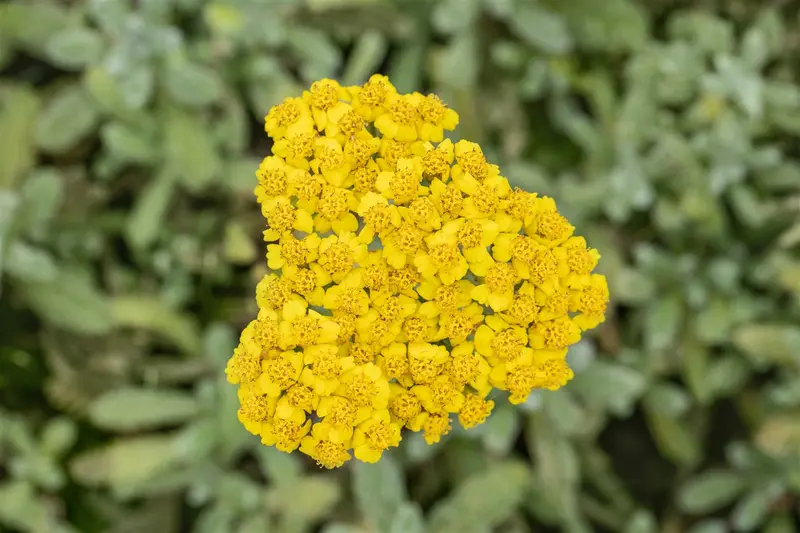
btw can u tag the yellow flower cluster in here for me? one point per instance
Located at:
(409, 279)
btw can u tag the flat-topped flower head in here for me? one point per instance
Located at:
(407, 281)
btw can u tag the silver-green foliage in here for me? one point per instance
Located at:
(129, 249)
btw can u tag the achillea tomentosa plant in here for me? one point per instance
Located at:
(409, 279)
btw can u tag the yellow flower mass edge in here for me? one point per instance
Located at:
(409, 280)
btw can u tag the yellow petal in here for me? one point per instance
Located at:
(427, 289)
(450, 120)
(320, 118)
(294, 309)
(425, 265)
(284, 410)
(406, 133)
(274, 261)
(384, 181)
(329, 332)
(367, 454)
(498, 376)
(467, 184)
(395, 258)
(303, 221)
(267, 435)
(386, 126)
(483, 340)
(501, 301)
(480, 293)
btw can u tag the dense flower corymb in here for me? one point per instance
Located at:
(408, 279)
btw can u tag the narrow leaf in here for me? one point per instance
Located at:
(150, 313)
(136, 409)
(483, 501)
(710, 491)
(379, 490)
(75, 47)
(68, 118)
(408, 519)
(71, 301)
(146, 219)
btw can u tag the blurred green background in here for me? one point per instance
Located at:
(667, 131)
